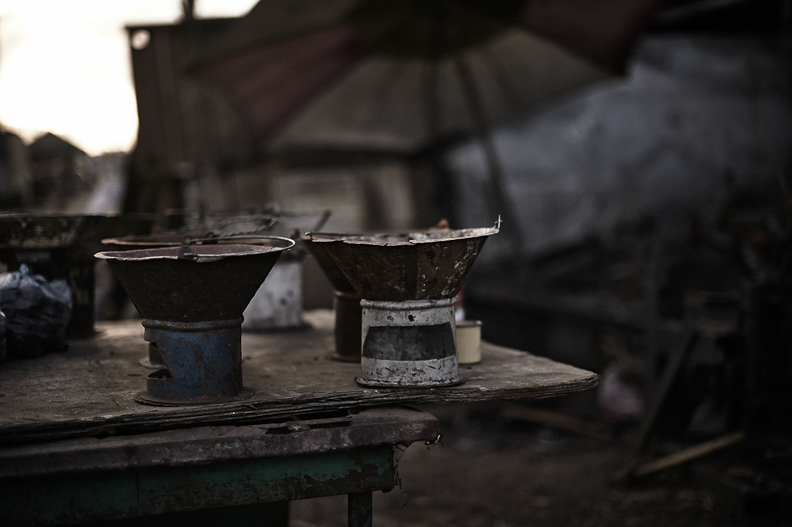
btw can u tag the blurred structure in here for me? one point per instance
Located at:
(367, 88)
(15, 178)
(195, 149)
(60, 171)
(111, 183)
(659, 238)
(183, 129)
(696, 118)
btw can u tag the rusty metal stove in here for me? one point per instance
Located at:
(278, 305)
(191, 299)
(407, 282)
(153, 360)
(61, 246)
(203, 362)
(346, 303)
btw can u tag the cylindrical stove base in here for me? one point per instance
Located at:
(278, 303)
(408, 344)
(347, 326)
(203, 362)
(153, 360)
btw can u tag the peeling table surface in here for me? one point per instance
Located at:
(89, 390)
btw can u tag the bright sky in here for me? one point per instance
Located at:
(65, 68)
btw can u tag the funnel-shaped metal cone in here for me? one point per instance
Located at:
(191, 299)
(428, 265)
(79, 233)
(346, 304)
(328, 264)
(179, 238)
(218, 221)
(271, 221)
(194, 283)
(334, 273)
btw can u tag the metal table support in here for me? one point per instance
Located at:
(179, 471)
(360, 510)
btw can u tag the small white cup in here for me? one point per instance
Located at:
(468, 341)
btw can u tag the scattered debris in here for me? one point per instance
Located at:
(689, 454)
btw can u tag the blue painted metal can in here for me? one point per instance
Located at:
(203, 360)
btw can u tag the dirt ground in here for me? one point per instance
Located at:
(496, 473)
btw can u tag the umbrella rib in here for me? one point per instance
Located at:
(494, 167)
(431, 101)
(494, 65)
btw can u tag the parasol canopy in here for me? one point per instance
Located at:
(397, 75)
(403, 75)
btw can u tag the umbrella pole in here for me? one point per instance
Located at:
(499, 197)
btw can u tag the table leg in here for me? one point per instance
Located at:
(360, 512)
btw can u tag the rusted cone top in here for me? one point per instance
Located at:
(419, 265)
(80, 233)
(328, 265)
(177, 239)
(194, 283)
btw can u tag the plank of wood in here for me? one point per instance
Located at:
(216, 444)
(90, 389)
(689, 454)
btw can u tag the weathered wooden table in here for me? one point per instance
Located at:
(75, 446)
(233, 475)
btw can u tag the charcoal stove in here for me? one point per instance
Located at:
(61, 246)
(346, 303)
(407, 282)
(191, 299)
(153, 360)
(278, 304)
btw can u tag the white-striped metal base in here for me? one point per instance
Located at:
(409, 344)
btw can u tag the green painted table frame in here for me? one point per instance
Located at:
(157, 491)
(227, 475)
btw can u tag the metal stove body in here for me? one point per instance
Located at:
(203, 362)
(61, 246)
(278, 304)
(191, 299)
(407, 282)
(409, 343)
(346, 303)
